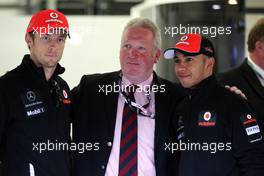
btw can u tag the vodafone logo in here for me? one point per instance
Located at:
(207, 119)
(54, 15)
(65, 94)
(249, 117)
(183, 40)
(207, 116)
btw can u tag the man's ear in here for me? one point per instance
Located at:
(259, 46)
(29, 40)
(157, 55)
(211, 62)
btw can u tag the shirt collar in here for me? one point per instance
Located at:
(39, 70)
(204, 86)
(256, 68)
(127, 82)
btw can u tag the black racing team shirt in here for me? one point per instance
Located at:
(34, 115)
(218, 133)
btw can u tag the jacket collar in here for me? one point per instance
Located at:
(39, 71)
(204, 86)
(252, 79)
(257, 69)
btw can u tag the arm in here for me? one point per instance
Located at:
(3, 119)
(3, 113)
(247, 142)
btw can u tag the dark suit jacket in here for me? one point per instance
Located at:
(245, 79)
(94, 121)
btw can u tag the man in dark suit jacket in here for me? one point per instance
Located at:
(99, 104)
(249, 76)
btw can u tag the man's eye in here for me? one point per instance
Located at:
(127, 46)
(142, 48)
(46, 38)
(61, 39)
(177, 60)
(189, 59)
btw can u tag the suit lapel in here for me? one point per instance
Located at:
(252, 79)
(161, 116)
(162, 110)
(110, 105)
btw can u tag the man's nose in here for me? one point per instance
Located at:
(133, 53)
(53, 43)
(180, 66)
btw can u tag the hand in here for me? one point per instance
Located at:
(236, 90)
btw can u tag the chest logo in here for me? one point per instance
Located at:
(207, 116)
(31, 96)
(65, 94)
(207, 119)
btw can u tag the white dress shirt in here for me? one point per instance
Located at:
(258, 70)
(146, 129)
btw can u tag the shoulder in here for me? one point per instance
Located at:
(62, 82)
(171, 88)
(232, 73)
(231, 100)
(233, 76)
(12, 76)
(94, 81)
(98, 78)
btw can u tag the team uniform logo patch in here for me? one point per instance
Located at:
(251, 127)
(65, 94)
(207, 119)
(66, 99)
(33, 103)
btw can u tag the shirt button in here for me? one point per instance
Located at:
(103, 167)
(109, 144)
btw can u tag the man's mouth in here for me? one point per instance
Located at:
(183, 76)
(132, 63)
(51, 55)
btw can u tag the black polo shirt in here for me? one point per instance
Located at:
(34, 115)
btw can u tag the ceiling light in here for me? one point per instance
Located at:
(232, 2)
(216, 7)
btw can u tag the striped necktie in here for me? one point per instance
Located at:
(128, 156)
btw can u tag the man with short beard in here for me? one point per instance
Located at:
(35, 103)
(210, 115)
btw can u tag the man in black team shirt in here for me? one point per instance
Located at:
(218, 132)
(34, 103)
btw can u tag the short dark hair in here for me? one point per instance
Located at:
(256, 34)
(31, 35)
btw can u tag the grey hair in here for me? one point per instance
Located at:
(147, 24)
